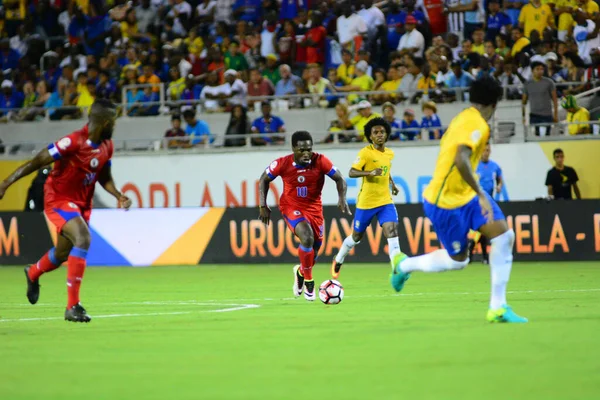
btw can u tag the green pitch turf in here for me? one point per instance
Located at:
(233, 332)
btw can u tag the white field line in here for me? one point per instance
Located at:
(227, 308)
(229, 301)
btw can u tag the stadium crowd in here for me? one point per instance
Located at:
(57, 56)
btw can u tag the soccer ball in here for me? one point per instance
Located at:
(331, 292)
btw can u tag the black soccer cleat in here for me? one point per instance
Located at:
(309, 292)
(77, 314)
(33, 288)
(335, 269)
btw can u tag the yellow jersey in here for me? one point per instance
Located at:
(346, 73)
(591, 8)
(375, 190)
(519, 45)
(359, 123)
(447, 188)
(535, 18)
(581, 115)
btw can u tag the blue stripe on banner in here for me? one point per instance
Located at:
(53, 151)
(332, 172)
(305, 249)
(77, 252)
(52, 256)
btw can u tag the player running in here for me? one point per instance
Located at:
(80, 160)
(373, 164)
(456, 203)
(303, 174)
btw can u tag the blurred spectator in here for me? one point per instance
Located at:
(176, 132)
(561, 179)
(289, 83)
(19, 42)
(520, 42)
(247, 10)
(194, 43)
(346, 70)
(409, 127)
(502, 48)
(267, 124)
(234, 59)
(365, 114)
(147, 17)
(214, 94)
(535, 16)
(223, 12)
(271, 71)
(431, 121)
(9, 58)
(315, 40)
(586, 36)
(316, 83)
(573, 72)
(237, 89)
(508, 78)
(45, 20)
(176, 86)
(239, 124)
(412, 41)
(391, 85)
(105, 89)
(340, 125)
(477, 43)
(149, 77)
(459, 78)
(252, 54)
(389, 114)
(10, 98)
(575, 116)
(259, 86)
(349, 27)
(181, 12)
(197, 130)
(497, 21)
(268, 36)
(364, 55)
(286, 43)
(540, 92)
(362, 82)
(34, 101)
(590, 7)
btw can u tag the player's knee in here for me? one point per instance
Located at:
(390, 231)
(357, 236)
(307, 241)
(82, 240)
(61, 255)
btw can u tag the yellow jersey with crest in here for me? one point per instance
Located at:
(447, 188)
(375, 190)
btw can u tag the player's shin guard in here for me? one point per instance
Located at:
(393, 247)
(307, 260)
(347, 246)
(75, 269)
(436, 261)
(500, 266)
(47, 263)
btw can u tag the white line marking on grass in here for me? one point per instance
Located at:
(227, 308)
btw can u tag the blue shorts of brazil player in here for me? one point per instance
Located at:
(453, 226)
(363, 217)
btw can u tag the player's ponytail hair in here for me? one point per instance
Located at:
(378, 121)
(300, 136)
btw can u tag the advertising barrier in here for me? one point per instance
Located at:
(545, 231)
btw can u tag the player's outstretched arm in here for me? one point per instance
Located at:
(356, 173)
(40, 160)
(263, 190)
(108, 183)
(462, 160)
(341, 186)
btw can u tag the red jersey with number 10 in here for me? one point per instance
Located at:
(302, 185)
(76, 169)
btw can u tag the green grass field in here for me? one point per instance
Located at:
(233, 332)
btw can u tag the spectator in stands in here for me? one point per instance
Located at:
(234, 59)
(195, 44)
(315, 40)
(540, 92)
(340, 125)
(535, 16)
(490, 52)
(105, 89)
(237, 89)
(350, 26)
(431, 121)
(502, 48)
(214, 94)
(10, 97)
(288, 83)
(425, 80)
(364, 55)
(147, 17)
(286, 43)
(197, 130)
(592, 73)
(176, 85)
(520, 42)
(149, 77)
(459, 79)
(507, 78)
(9, 58)
(259, 86)
(573, 72)
(389, 114)
(239, 124)
(346, 70)
(223, 11)
(561, 179)
(477, 43)
(365, 114)
(412, 42)
(362, 82)
(497, 21)
(175, 132)
(590, 7)
(267, 125)
(409, 127)
(586, 36)
(268, 36)
(70, 102)
(271, 71)
(575, 116)
(247, 10)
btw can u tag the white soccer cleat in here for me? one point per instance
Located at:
(298, 282)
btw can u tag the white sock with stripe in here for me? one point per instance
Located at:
(348, 245)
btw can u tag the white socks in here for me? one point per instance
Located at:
(348, 245)
(393, 247)
(500, 265)
(436, 261)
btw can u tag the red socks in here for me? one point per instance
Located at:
(307, 260)
(47, 263)
(75, 269)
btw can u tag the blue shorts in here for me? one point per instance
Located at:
(363, 217)
(453, 226)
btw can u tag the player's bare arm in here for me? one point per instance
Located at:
(395, 189)
(41, 159)
(499, 183)
(106, 180)
(356, 173)
(462, 161)
(263, 189)
(341, 186)
(577, 192)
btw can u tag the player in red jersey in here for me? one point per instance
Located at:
(80, 160)
(303, 174)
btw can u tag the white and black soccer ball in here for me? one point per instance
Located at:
(331, 292)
